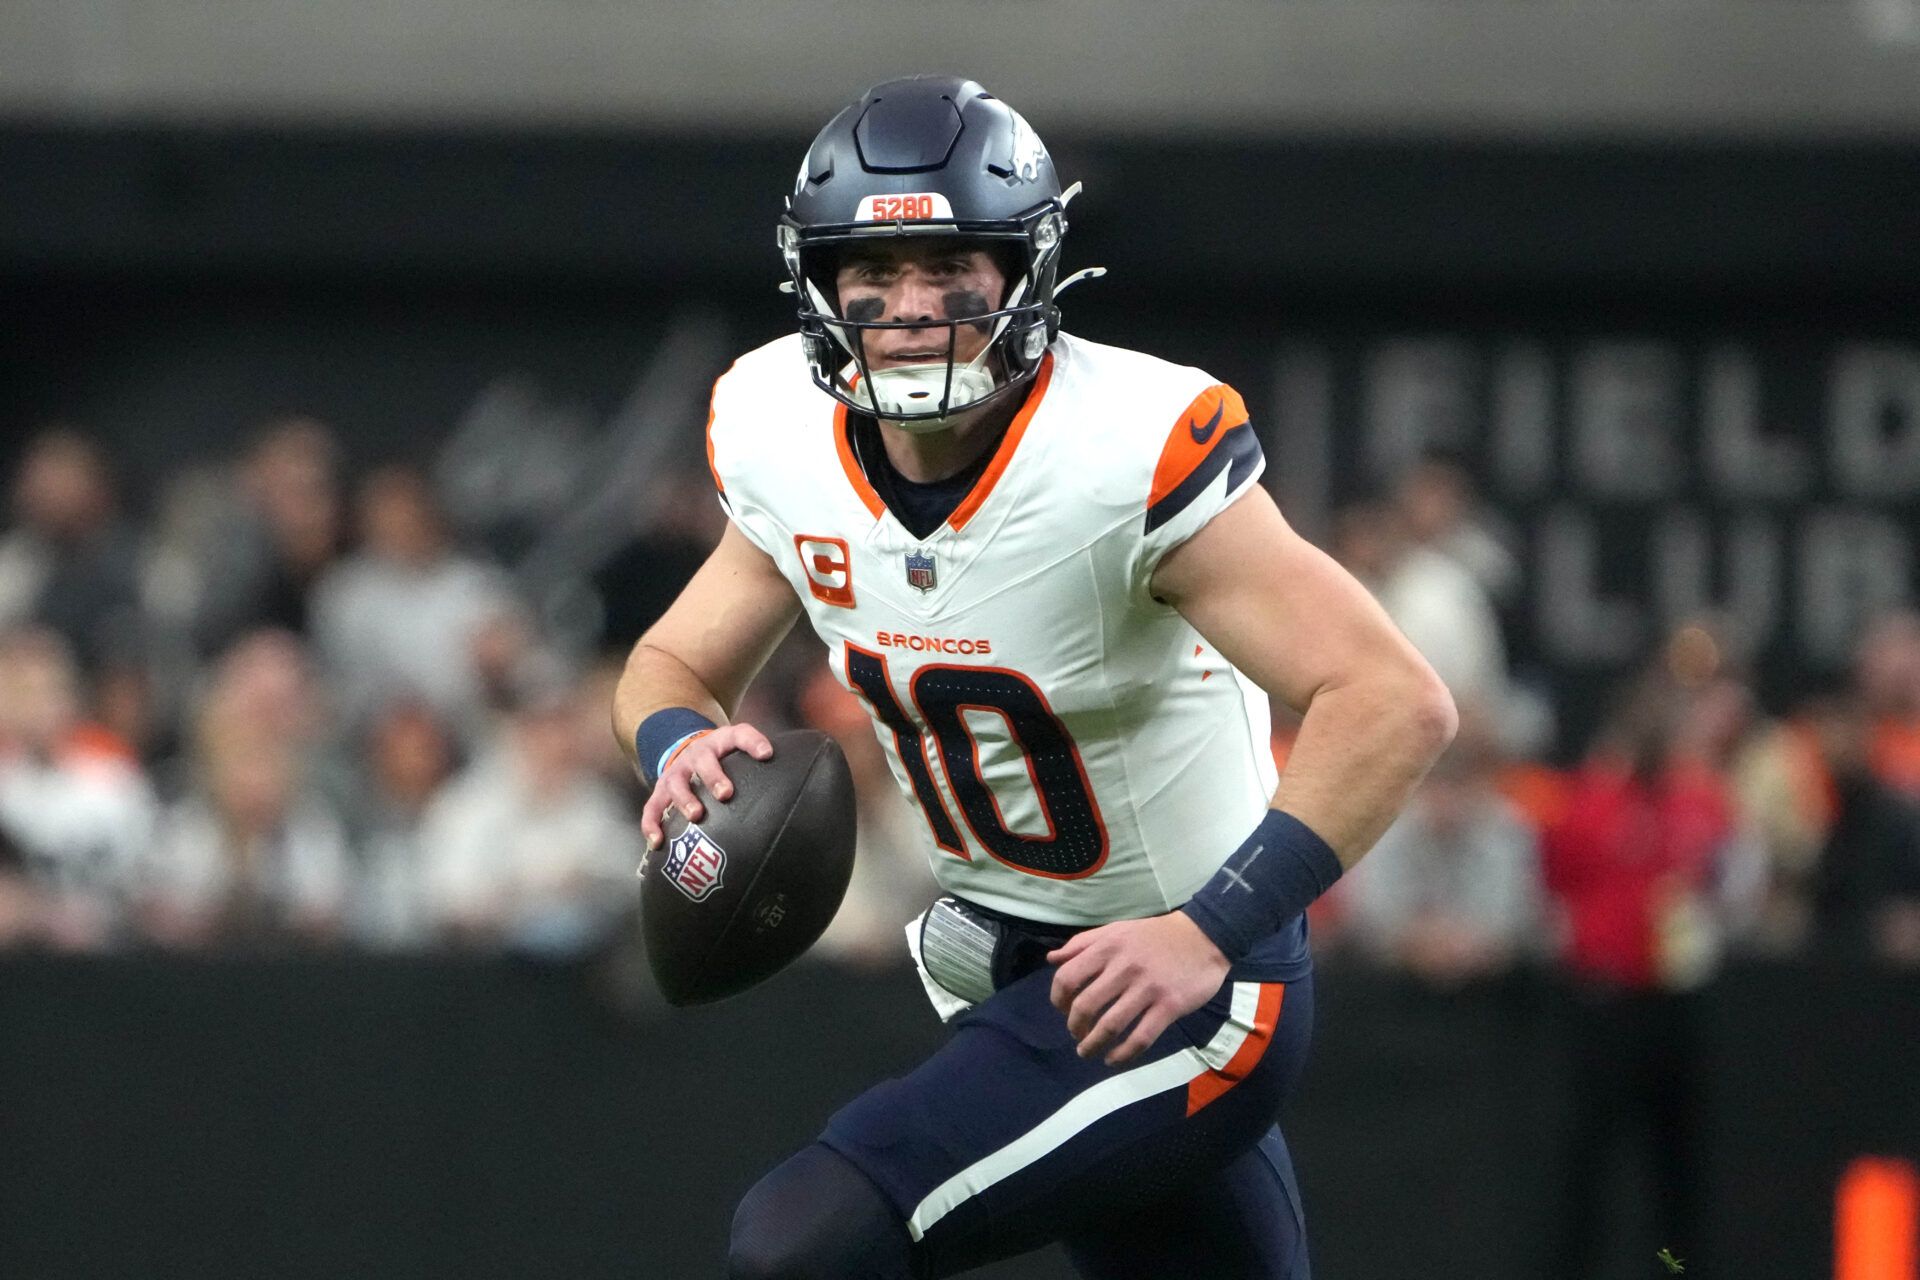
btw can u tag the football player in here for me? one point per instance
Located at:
(1047, 569)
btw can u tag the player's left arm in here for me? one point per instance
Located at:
(1286, 615)
(1375, 719)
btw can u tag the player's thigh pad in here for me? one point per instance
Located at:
(816, 1217)
(1006, 1138)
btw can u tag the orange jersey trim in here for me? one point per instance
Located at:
(851, 465)
(718, 483)
(1206, 422)
(1002, 455)
(1203, 1089)
(1008, 443)
(713, 408)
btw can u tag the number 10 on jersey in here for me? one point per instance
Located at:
(1075, 841)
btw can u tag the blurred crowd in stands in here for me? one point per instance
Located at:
(296, 707)
(1691, 824)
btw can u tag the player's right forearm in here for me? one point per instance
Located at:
(704, 651)
(653, 681)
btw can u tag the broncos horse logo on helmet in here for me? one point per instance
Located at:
(927, 156)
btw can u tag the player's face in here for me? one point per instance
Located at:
(930, 280)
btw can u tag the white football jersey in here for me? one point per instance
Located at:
(1078, 752)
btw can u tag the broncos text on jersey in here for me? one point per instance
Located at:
(1078, 754)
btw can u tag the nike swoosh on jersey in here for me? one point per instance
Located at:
(1238, 454)
(1203, 434)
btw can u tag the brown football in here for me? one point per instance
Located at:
(729, 901)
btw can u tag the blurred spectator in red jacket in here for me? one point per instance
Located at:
(76, 808)
(1644, 866)
(1639, 845)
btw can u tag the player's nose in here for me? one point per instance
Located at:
(914, 297)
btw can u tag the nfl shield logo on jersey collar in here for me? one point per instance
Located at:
(920, 571)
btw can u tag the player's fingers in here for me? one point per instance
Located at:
(650, 816)
(1087, 1006)
(753, 742)
(1071, 947)
(680, 794)
(1154, 1021)
(1071, 976)
(1114, 1023)
(707, 767)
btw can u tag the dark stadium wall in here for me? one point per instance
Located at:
(1688, 374)
(299, 1117)
(1675, 218)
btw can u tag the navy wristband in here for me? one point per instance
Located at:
(660, 733)
(1266, 882)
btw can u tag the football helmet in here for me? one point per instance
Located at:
(926, 156)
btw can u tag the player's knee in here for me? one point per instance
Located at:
(816, 1217)
(810, 1246)
(763, 1257)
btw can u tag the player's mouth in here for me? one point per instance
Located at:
(914, 357)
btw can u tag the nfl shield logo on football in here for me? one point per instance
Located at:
(919, 571)
(694, 863)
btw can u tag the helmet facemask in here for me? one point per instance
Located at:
(925, 397)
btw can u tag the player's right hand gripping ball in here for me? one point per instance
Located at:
(731, 900)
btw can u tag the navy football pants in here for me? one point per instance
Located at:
(1006, 1140)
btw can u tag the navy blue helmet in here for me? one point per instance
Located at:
(927, 156)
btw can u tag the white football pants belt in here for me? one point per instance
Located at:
(964, 956)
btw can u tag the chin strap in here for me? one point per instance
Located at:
(1084, 273)
(911, 388)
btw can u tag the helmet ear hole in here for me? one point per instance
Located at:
(819, 267)
(1011, 261)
